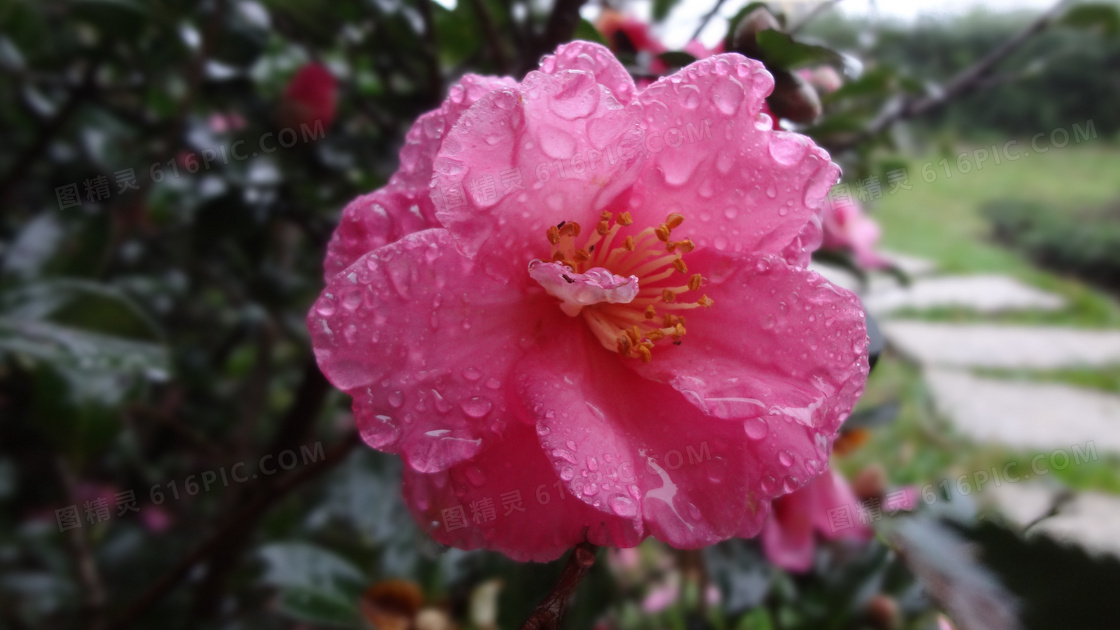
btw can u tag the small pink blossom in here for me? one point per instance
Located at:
(530, 415)
(848, 228)
(824, 78)
(310, 98)
(826, 507)
(221, 123)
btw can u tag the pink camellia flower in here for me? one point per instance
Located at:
(824, 78)
(581, 311)
(788, 538)
(311, 97)
(848, 228)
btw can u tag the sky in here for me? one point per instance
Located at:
(677, 30)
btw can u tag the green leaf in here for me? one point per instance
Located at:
(661, 9)
(878, 415)
(311, 569)
(317, 608)
(987, 576)
(728, 43)
(676, 58)
(587, 32)
(1105, 17)
(781, 51)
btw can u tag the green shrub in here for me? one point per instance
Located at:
(1083, 242)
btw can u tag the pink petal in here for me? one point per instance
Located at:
(742, 186)
(424, 339)
(787, 536)
(638, 449)
(831, 491)
(512, 471)
(779, 343)
(597, 60)
(372, 221)
(424, 138)
(560, 147)
(404, 205)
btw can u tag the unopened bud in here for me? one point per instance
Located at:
(752, 24)
(794, 99)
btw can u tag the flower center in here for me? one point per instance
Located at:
(627, 287)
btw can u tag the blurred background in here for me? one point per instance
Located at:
(170, 174)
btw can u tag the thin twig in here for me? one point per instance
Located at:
(550, 612)
(490, 32)
(967, 80)
(430, 50)
(47, 133)
(812, 15)
(707, 18)
(93, 590)
(294, 429)
(248, 514)
(562, 23)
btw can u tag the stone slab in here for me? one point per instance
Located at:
(1002, 346)
(1026, 415)
(980, 293)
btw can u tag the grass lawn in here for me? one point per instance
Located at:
(941, 220)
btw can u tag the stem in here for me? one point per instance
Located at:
(550, 612)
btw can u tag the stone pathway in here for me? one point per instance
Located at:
(1002, 346)
(1026, 415)
(981, 293)
(1031, 416)
(1087, 519)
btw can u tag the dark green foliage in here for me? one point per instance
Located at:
(1084, 242)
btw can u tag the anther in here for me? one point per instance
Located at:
(662, 232)
(705, 301)
(668, 296)
(694, 282)
(625, 219)
(679, 265)
(674, 220)
(629, 244)
(553, 234)
(650, 312)
(645, 354)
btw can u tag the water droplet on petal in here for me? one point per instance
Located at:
(787, 148)
(623, 506)
(476, 407)
(475, 476)
(727, 95)
(396, 399)
(756, 428)
(325, 307)
(785, 458)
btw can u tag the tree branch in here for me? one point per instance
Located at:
(241, 520)
(966, 81)
(707, 18)
(490, 32)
